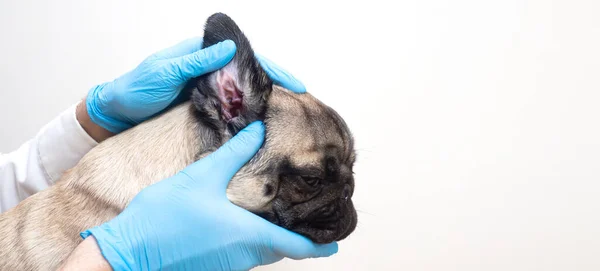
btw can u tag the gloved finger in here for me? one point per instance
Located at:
(280, 76)
(204, 61)
(183, 48)
(229, 158)
(184, 95)
(292, 245)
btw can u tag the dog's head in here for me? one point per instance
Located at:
(301, 178)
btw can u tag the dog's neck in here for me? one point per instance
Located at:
(147, 153)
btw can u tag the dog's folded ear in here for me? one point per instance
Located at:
(236, 94)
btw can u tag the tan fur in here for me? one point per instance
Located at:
(42, 230)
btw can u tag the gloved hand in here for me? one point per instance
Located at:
(157, 82)
(186, 222)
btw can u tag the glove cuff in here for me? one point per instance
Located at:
(111, 248)
(97, 116)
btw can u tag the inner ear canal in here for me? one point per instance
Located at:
(229, 94)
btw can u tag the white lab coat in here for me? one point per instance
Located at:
(41, 161)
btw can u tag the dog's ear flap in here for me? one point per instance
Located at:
(242, 86)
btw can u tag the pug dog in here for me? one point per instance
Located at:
(301, 178)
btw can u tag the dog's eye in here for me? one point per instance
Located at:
(312, 181)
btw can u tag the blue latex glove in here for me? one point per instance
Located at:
(157, 82)
(186, 222)
(280, 76)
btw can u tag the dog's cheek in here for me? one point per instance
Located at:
(251, 192)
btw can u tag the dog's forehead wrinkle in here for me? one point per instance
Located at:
(304, 170)
(341, 130)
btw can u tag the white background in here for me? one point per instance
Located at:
(476, 122)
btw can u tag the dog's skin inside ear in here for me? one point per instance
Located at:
(235, 95)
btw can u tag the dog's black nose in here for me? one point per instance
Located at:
(346, 192)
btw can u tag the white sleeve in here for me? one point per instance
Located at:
(41, 161)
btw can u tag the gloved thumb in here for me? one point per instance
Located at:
(292, 245)
(280, 76)
(204, 61)
(226, 161)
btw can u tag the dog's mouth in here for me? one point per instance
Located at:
(328, 225)
(325, 224)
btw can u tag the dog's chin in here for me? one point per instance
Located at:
(325, 233)
(324, 225)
